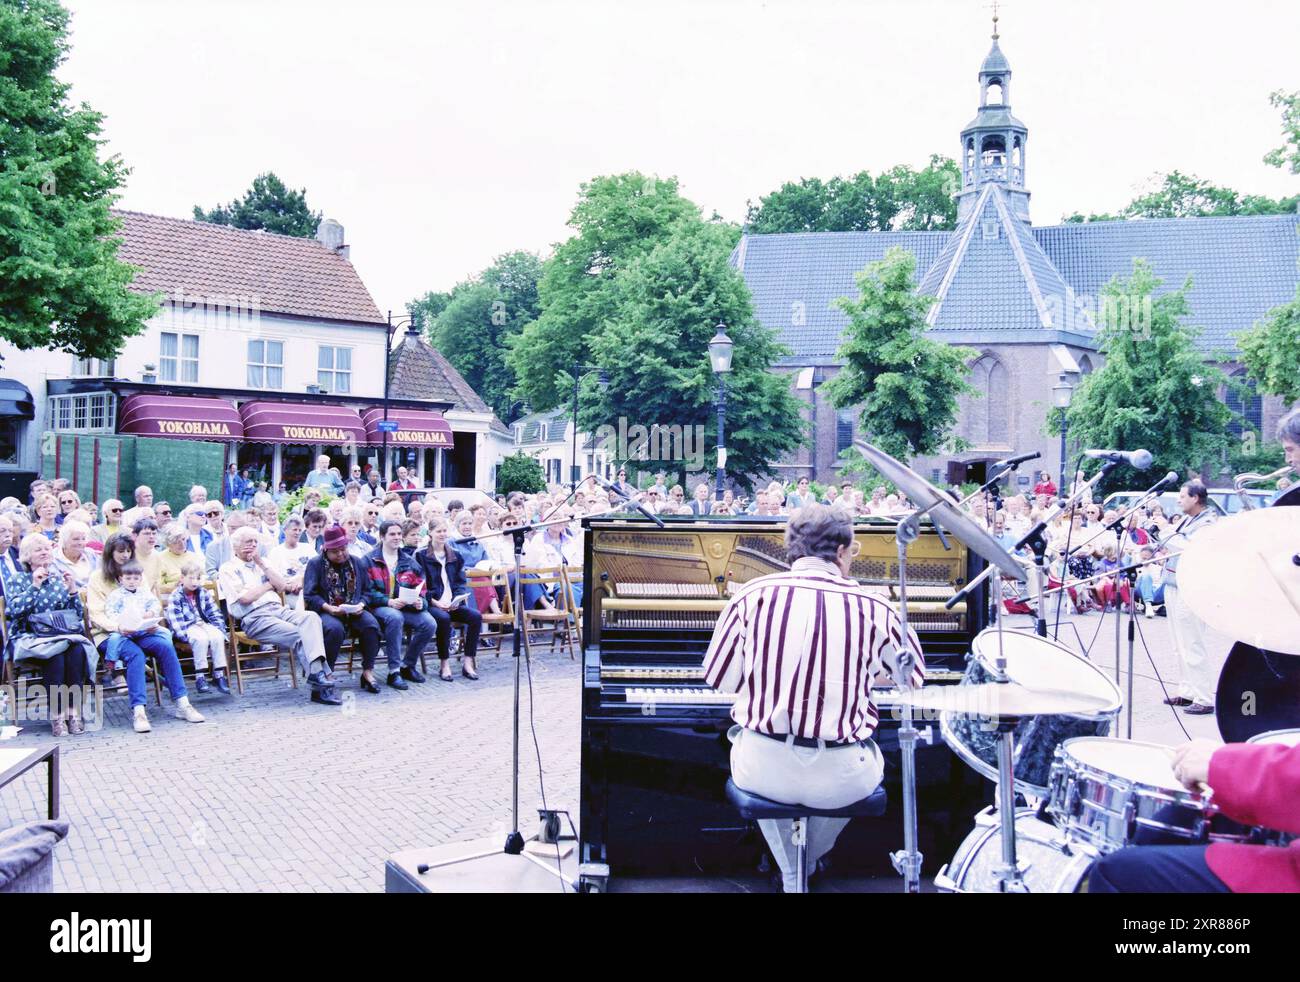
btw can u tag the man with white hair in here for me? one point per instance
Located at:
(198, 494)
(8, 551)
(144, 496)
(248, 584)
(324, 478)
(403, 482)
(112, 512)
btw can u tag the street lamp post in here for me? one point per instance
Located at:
(720, 348)
(579, 373)
(1062, 392)
(393, 324)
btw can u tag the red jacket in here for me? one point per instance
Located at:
(1045, 487)
(1257, 784)
(407, 485)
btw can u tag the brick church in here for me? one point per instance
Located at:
(1023, 296)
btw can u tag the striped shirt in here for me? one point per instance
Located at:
(801, 649)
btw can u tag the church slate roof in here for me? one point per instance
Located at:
(1241, 267)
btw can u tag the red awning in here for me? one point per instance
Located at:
(180, 417)
(416, 428)
(293, 422)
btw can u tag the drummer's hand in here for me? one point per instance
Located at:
(1192, 762)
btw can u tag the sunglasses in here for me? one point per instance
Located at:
(166, 514)
(214, 514)
(114, 511)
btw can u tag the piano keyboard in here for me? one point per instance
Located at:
(683, 696)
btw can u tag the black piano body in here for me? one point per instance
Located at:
(655, 757)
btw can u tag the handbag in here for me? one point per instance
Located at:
(52, 623)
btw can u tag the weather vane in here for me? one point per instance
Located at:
(994, 6)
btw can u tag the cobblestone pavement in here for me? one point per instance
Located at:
(275, 793)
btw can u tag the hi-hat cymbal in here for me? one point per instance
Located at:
(944, 511)
(1002, 699)
(1239, 577)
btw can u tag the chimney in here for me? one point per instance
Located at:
(330, 234)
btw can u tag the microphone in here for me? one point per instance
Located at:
(1170, 480)
(1139, 460)
(635, 504)
(1018, 460)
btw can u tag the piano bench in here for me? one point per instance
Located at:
(754, 807)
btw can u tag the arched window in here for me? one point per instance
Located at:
(970, 161)
(1085, 365)
(1248, 406)
(986, 415)
(993, 151)
(993, 94)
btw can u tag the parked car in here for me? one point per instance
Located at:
(1230, 502)
(469, 497)
(1121, 500)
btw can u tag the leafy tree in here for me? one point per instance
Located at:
(617, 219)
(61, 283)
(1288, 154)
(269, 205)
(1179, 195)
(900, 198)
(478, 320)
(906, 384)
(426, 309)
(654, 347)
(1271, 351)
(1155, 389)
(520, 472)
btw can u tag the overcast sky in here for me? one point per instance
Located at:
(444, 134)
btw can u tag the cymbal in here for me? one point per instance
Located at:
(1002, 699)
(944, 511)
(1238, 577)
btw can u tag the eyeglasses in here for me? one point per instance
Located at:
(67, 501)
(214, 514)
(166, 513)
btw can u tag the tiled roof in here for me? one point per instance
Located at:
(794, 277)
(556, 420)
(417, 370)
(993, 276)
(1241, 267)
(276, 273)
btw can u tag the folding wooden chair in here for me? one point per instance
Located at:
(499, 582)
(245, 649)
(551, 579)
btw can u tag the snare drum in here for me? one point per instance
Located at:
(1035, 663)
(1106, 794)
(1042, 852)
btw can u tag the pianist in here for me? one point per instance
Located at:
(801, 649)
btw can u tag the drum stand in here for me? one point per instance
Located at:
(907, 861)
(1008, 874)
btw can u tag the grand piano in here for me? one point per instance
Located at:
(655, 758)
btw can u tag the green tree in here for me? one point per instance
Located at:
(426, 309)
(1155, 389)
(1271, 351)
(480, 316)
(617, 218)
(61, 283)
(654, 348)
(899, 199)
(1288, 154)
(268, 205)
(906, 384)
(1179, 195)
(520, 472)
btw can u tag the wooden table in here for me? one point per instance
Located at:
(16, 762)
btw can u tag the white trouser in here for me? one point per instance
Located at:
(1200, 671)
(204, 639)
(830, 777)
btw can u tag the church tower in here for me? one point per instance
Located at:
(993, 143)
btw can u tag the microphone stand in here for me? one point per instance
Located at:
(1036, 540)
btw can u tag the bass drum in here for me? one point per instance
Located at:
(1042, 852)
(1258, 692)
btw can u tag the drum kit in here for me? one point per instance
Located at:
(1035, 717)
